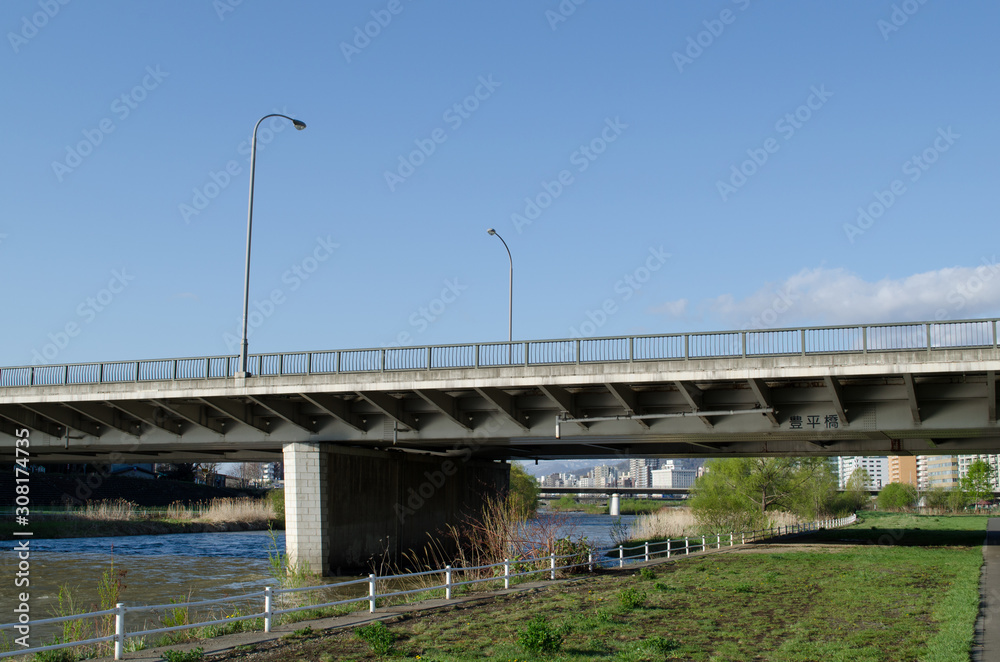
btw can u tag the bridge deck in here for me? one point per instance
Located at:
(867, 389)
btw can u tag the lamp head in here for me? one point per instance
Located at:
(299, 124)
(491, 231)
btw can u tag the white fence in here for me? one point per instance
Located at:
(512, 569)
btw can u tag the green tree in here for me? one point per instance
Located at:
(936, 497)
(856, 491)
(958, 499)
(738, 493)
(820, 497)
(897, 496)
(977, 483)
(522, 497)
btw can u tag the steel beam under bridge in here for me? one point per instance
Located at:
(914, 388)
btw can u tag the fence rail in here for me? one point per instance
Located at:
(618, 556)
(805, 341)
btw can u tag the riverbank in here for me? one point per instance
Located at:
(567, 504)
(125, 518)
(70, 527)
(891, 587)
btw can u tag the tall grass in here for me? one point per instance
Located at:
(118, 510)
(680, 522)
(243, 510)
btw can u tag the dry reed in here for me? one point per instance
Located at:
(236, 510)
(680, 522)
(118, 510)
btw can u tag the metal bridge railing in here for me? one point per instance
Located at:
(805, 341)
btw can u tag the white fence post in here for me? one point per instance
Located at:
(506, 573)
(371, 593)
(552, 564)
(621, 556)
(668, 548)
(447, 582)
(590, 561)
(119, 631)
(647, 551)
(703, 543)
(718, 541)
(687, 545)
(267, 609)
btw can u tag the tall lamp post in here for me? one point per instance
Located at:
(299, 124)
(510, 298)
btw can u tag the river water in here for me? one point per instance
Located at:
(176, 567)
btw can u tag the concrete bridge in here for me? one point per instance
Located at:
(393, 442)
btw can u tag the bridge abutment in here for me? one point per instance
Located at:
(347, 509)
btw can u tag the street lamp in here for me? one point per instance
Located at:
(510, 296)
(299, 124)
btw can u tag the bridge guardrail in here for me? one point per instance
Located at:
(512, 569)
(853, 339)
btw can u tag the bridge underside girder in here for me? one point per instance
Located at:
(895, 403)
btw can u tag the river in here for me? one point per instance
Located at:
(176, 567)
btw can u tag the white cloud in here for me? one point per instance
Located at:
(836, 296)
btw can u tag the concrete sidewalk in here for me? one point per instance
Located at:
(987, 642)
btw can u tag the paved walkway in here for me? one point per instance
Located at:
(987, 645)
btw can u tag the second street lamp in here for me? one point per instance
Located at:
(299, 124)
(510, 298)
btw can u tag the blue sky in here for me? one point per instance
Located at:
(698, 165)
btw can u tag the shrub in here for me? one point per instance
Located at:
(540, 637)
(377, 636)
(578, 552)
(897, 496)
(277, 499)
(661, 645)
(631, 598)
(58, 655)
(193, 655)
(647, 573)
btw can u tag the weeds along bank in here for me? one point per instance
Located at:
(120, 517)
(905, 588)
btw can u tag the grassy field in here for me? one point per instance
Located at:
(833, 596)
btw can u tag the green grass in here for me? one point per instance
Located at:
(839, 598)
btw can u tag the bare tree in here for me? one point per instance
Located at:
(250, 473)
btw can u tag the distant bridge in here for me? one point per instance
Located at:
(607, 491)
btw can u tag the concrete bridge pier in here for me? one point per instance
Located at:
(348, 509)
(615, 506)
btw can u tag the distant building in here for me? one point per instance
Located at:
(132, 470)
(672, 478)
(604, 476)
(877, 467)
(903, 469)
(937, 471)
(274, 472)
(552, 480)
(640, 468)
